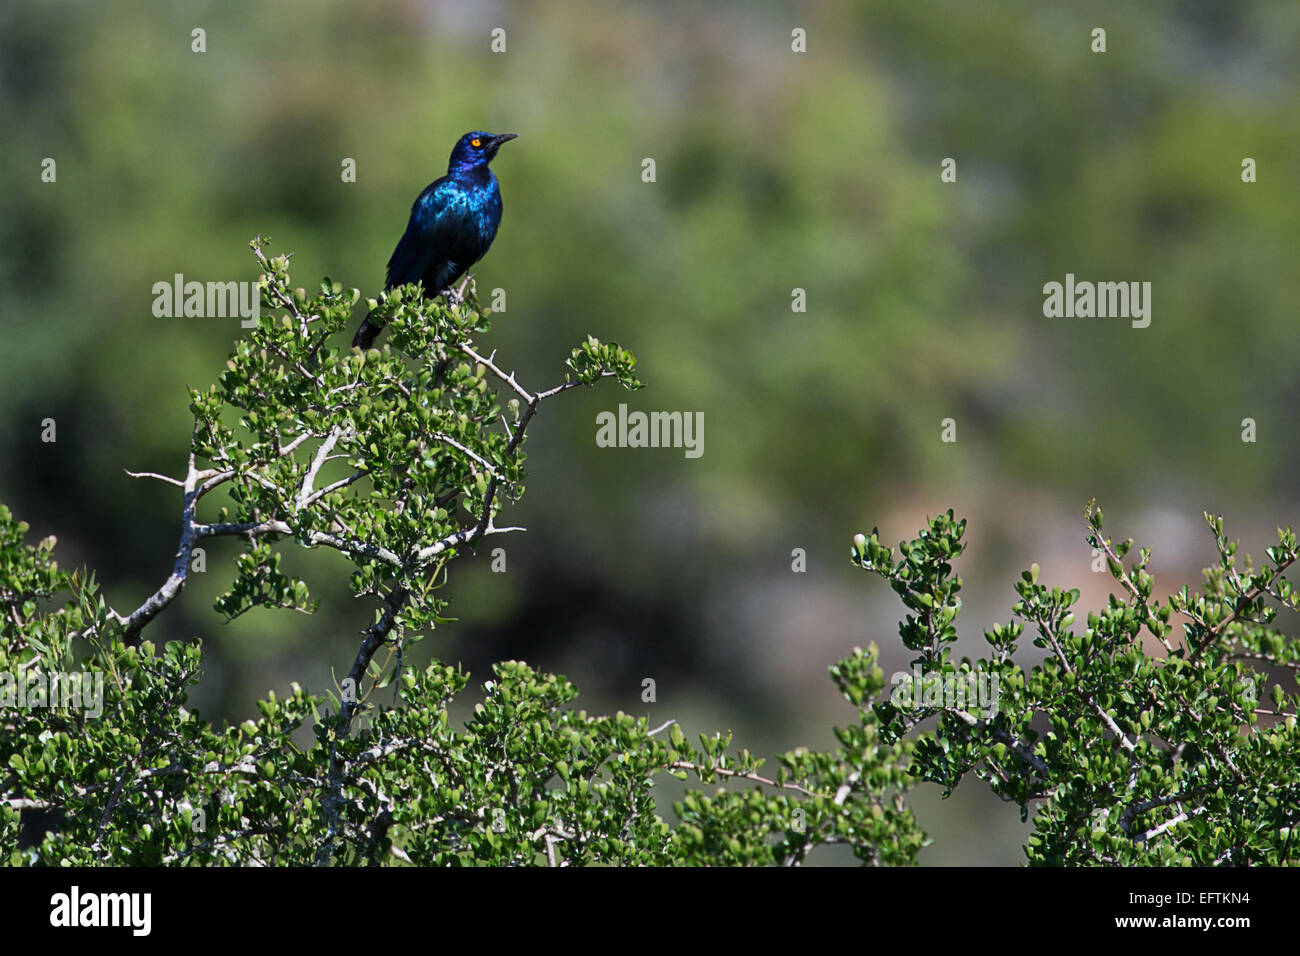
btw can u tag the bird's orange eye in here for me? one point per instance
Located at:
(476, 142)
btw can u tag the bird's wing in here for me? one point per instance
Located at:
(437, 218)
(409, 260)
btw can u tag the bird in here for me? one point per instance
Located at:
(452, 224)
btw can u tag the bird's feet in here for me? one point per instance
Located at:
(456, 296)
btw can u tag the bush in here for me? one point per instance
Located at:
(1153, 747)
(400, 459)
(1133, 740)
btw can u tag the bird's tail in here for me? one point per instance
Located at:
(365, 336)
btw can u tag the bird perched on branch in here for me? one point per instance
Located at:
(453, 223)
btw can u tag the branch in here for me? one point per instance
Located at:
(341, 483)
(1092, 701)
(192, 531)
(492, 367)
(1136, 596)
(1021, 749)
(1136, 810)
(1167, 825)
(723, 772)
(254, 529)
(464, 536)
(447, 439)
(160, 599)
(322, 453)
(1242, 602)
(149, 474)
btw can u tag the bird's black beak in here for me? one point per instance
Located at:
(497, 141)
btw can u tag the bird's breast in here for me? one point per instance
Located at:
(484, 208)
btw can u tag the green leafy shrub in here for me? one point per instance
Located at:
(1135, 740)
(1138, 738)
(400, 459)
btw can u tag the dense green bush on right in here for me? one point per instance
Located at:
(1152, 733)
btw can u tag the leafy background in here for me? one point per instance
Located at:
(775, 171)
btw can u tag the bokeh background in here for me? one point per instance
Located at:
(775, 170)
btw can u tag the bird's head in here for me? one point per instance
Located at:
(477, 149)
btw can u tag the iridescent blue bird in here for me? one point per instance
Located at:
(453, 223)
